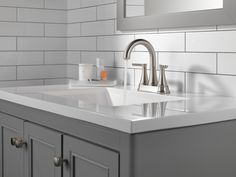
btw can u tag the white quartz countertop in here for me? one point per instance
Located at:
(195, 109)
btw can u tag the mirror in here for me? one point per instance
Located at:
(135, 8)
(150, 14)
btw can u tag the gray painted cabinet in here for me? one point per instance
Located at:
(35, 158)
(11, 158)
(88, 160)
(95, 151)
(42, 146)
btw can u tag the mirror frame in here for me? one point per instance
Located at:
(225, 16)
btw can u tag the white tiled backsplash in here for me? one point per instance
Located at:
(42, 41)
(33, 42)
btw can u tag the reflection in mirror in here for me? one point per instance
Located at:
(136, 8)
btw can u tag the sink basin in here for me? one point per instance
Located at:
(111, 96)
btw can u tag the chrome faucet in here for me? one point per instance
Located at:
(153, 72)
(162, 86)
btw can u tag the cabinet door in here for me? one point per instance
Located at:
(43, 145)
(11, 158)
(89, 160)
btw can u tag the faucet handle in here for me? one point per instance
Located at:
(163, 66)
(163, 87)
(144, 76)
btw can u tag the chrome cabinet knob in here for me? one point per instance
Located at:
(13, 141)
(58, 161)
(18, 143)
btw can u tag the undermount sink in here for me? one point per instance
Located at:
(111, 96)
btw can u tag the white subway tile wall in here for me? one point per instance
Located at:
(200, 59)
(33, 42)
(42, 42)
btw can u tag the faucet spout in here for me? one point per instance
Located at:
(153, 72)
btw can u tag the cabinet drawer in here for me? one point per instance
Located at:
(43, 145)
(89, 160)
(10, 156)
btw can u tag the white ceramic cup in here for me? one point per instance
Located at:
(85, 72)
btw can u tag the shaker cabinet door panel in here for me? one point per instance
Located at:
(88, 160)
(43, 146)
(11, 158)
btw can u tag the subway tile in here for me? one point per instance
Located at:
(7, 43)
(73, 4)
(56, 30)
(211, 84)
(106, 12)
(189, 62)
(164, 42)
(33, 43)
(87, 3)
(55, 43)
(220, 41)
(56, 81)
(41, 72)
(82, 43)
(90, 57)
(227, 63)
(73, 30)
(81, 15)
(114, 43)
(7, 14)
(55, 57)
(41, 15)
(23, 3)
(21, 29)
(21, 58)
(73, 57)
(8, 73)
(56, 4)
(29, 58)
(97, 28)
(21, 83)
(72, 71)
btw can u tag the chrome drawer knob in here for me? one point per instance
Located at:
(18, 143)
(58, 161)
(13, 141)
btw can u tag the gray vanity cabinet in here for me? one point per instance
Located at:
(88, 160)
(43, 145)
(11, 158)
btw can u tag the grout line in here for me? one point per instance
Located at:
(185, 82)
(97, 5)
(16, 14)
(217, 62)
(16, 72)
(34, 8)
(16, 44)
(185, 42)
